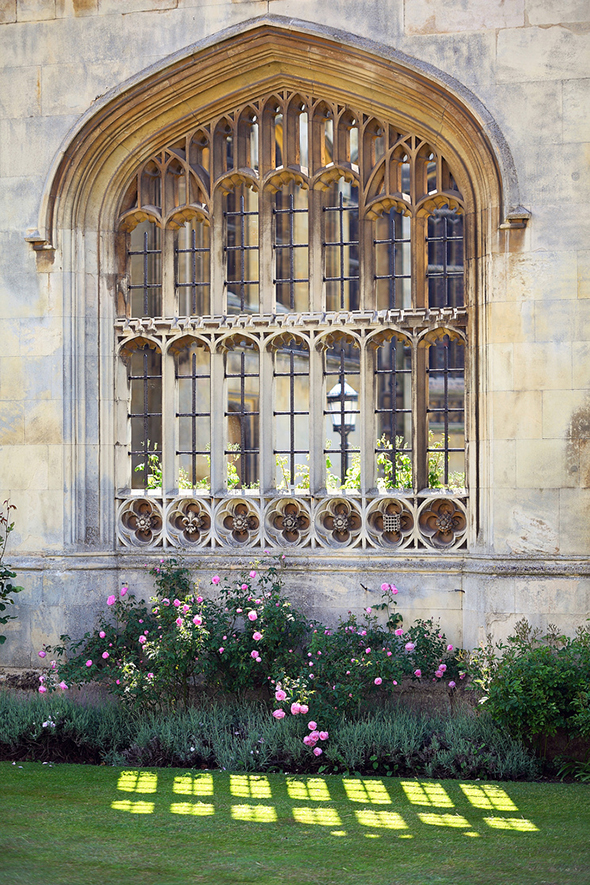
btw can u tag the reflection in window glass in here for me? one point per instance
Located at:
(393, 412)
(145, 270)
(291, 249)
(194, 416)
(242, 414)
(291, 415)
(446, 414)
(341, 246)
(241, 248)
(393, 270)
(445, 258)
(342, 415)
(145, 415)
(192, 269)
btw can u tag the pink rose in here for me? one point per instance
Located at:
(221, 650)
(252, 616)
(254, 654)
(449, 648)
(62, 685)
(439, 673)
(312, 725)
(239, 611)
(199, 598)
(384, 587)
(452, 684)
(258, 660)
(378, 680)
(176, 603)
(368, 610)
(410, 646)
(197, 620)
(215, 579)
(389, 654)
(367, 651)
(418, 673)
(257, 636)
(179, 622)
(280, 695)
(393, 589)
(317, 751)
(42, 654)
(124, 590)
(306, 740)
(165, 601)
(89, 663)
(244, 587)
(442, 667)
(399, 632)
(252, 574)
(111, 600)
(42, 689)
(303, 709)
(278, 714)
(102, 634)
(141, 640)
(105, 655)
(295, 708)
(185, 608)
(324, 735)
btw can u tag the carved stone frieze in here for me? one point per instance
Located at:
(188, 522)
(288, 522)
(442, 522)
(390, 522)
(237, 522)
(140, 522)
(338, 522)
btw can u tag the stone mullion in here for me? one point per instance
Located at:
(316, 284)
(169, 424)
(266, 257)
(169, 305)
(218, 440)
(368, 418)
(317, 479)
(266, 422)
(217, 258)
(122, 428)
(419, 407)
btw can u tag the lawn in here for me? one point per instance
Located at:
(81, 825)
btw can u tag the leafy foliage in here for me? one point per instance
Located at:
(7, 587)
(536, 683)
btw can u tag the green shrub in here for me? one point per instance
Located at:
(535, 684)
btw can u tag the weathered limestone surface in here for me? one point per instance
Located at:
(527, 63)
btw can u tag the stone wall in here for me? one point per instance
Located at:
(526, 63)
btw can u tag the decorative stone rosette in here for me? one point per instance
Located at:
(338, 522)
(140, 522)
(188, 523)
(237, 522)
(442, 522)
(287, 522)
(390, 522)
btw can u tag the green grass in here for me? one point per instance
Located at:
(80, 825)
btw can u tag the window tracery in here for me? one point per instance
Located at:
(294, 335)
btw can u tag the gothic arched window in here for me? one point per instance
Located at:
(292, 339)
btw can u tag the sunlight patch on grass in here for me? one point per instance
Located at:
(424, 793)
(372, 791)
(314, 788)
(250, 786)
(323, 817)
(198, 809)
(261, 814)
(488, 796)
(511, 823)
(133, 807)
(369, 817)
(137, 782)
(444, 820)
(193, 785)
